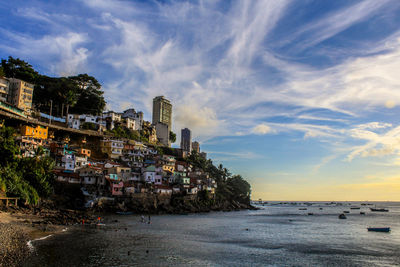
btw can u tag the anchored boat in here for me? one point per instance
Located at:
(379, 229)
(377, 209)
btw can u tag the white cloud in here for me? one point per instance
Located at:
(262, 129)
(323, 162)
(223, 155)
(374, 125)
(336, 22)
(390, 104)
(202, 58)
(378, 144)
(201, 121)
(67, 53)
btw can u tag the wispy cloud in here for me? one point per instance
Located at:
(323, 162)
(378, 144)
(338, 21)
(67, 51)
(226, 155)
(214, 61)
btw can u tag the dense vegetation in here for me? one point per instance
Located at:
(82, 93)
(230, 187)
(27, 178)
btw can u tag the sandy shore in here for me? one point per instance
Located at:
(19, 226)
(16, 230)
(32, 225)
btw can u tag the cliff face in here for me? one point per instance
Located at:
(175, 204)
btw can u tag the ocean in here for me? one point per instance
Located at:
(279, 234)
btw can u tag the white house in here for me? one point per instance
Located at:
(75, 121)
(136, 116)
(80, 161)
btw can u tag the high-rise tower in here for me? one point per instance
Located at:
(186, 140)
(162, 111)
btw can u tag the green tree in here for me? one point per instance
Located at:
(59, 90)
(28, 178)
(91, 99)
(239, 188)
(82, 93)
(172, 137)
(17, 68)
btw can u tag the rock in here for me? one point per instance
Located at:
(13, 248)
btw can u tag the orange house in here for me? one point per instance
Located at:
(38, 132)
(85, 151)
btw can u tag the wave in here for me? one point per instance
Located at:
(30, 242)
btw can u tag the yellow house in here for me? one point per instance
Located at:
(169, 168)
(38, 132)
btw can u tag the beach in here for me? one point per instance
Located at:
(20, 226)
(276, 235)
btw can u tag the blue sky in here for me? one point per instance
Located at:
(301, 97)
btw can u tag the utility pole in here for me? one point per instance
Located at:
(51, 108)
(66, 117)
(62, 110)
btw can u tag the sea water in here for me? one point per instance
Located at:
(279, 234)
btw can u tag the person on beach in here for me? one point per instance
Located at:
(142, 217)
(149, 222)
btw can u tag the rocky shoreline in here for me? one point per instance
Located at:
(18, 225)
(175, 204)
(13, 244)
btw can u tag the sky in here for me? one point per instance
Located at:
(301, 98)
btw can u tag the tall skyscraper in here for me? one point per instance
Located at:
(162, 111)
(196, 146)
(186, 140)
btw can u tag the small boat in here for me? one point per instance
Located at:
(379, 210)
(379, 229)
(342, 216)
(362, 213)
(303, 209)
(354, 208)
(310, 213)
(346, 211)
(124, 212)
(320, 208)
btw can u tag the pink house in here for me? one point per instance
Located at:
(116, 188)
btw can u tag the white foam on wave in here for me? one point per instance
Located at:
(42, 238)
(30, 245)
(30, 242)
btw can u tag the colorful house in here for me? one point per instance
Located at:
(38, 132)
(117, 189)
